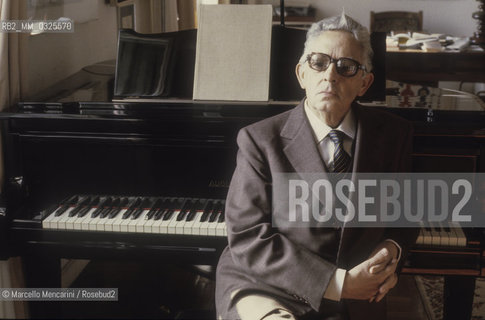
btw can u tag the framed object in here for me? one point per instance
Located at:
(126, 14)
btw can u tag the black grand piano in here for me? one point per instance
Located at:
(145, 179)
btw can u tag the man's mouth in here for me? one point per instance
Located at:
(328, 93)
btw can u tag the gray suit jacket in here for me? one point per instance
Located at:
(295, 265)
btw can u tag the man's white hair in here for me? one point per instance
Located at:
(342, 23)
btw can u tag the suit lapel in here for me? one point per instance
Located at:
(301, 149)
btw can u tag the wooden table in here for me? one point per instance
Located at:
(421, 66)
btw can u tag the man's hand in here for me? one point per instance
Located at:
(392, 249)
(391, 281)
(364, 281)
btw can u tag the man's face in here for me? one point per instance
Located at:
(327, 92)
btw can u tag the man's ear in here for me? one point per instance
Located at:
(300, 75)
(366, 83)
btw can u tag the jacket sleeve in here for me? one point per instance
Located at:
(260, 250)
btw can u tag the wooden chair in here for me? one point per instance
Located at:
(397, 21)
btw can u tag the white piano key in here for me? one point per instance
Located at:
(113, 224)
(189, 227)
(197, 224)
(211, 230)
(78, 222)
(162, 227)
(156, 226)
(61, 224)
(54, 223)
(461, 238)
(171, 225)
(180, 225)
(221, 229)
(46, 223)
(444, 236)
(72, 220)
(427, 238)
(204, 228)
(141, 221)
(148, 225)
(435, 235)
(101, 223)
(133, 222)
(453, 241)
(95, 224)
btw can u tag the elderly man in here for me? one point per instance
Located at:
(268, 272)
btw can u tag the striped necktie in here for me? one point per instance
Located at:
(341, 159)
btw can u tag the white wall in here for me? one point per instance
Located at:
(55, 56)
(439, 16)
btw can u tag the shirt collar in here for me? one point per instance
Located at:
(321, 129)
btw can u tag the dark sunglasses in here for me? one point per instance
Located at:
(345, 66)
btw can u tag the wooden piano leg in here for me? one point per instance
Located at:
(42, 272)
(458, 297)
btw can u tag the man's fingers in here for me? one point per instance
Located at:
(386, 286)
(381, 262)
(377, 268)
(388, 267)
(381, 257)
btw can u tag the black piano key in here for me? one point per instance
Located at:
(155, 208)
(199, 205)
(115, 210)
(168, 214)
(135, 204)
(86, 201)
(104, 212)
(160, 213)
(176, 205)
(85, 209)
(103, 208)
(222, 215)
(63, 207)
(207, 211)
(215, 212)
(47, 212)
(137, 213)
(145, 205)
(188, 205)
(164, 207)
(112, 207)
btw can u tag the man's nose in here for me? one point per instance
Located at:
(331, 74)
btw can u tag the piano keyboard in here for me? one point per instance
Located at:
(161, 215)
(442, 235)
(171, 215)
